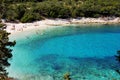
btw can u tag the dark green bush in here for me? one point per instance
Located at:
(30, 17)
(96, 15)
(1, 25)
(11, 15)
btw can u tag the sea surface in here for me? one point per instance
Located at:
(86, 52)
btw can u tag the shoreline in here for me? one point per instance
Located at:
(25, 30)
(14, 28)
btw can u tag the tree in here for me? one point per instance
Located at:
(2, 9)
(5, 53)
(17, 10)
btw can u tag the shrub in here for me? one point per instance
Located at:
(30, 17)
(11, 15)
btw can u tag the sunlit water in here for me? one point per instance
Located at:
(86, 52)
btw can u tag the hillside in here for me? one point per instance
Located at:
(32, 10)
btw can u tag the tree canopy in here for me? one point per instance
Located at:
(31, 10)
(5, 52)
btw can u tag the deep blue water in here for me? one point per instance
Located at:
(86, 52)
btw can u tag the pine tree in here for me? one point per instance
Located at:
(5, 53)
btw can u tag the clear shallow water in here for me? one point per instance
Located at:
(86, 52)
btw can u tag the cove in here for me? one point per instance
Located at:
(86, 52)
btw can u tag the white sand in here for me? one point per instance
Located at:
(51, 23)
(44, 24)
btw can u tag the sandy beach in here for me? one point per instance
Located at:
(51, 23)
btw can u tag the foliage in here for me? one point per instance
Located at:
(5, 53)
(67, 76)
(18, 9)
(30, 16)
(2, 9)
(1, 25)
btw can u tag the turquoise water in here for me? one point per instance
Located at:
(86, 52)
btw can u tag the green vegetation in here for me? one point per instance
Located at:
(5, 53)
(31, 10)
(67, 76)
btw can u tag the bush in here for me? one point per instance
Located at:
(1, 25)
(96, 15)
(20, 10)
(11, 15)
(30, 17)
(27, 18)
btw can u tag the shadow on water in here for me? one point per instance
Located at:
(59, 63)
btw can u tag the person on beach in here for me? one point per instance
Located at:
(13, 27)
